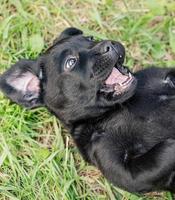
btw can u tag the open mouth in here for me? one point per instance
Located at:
(117, 82)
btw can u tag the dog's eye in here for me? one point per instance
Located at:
(170, 79)
(70, 63)
(90, 38)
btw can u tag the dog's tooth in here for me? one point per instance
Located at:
(116, 85)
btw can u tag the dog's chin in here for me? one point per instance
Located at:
(118, 86)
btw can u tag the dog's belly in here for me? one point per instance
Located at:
(158, 117)
(141, 131)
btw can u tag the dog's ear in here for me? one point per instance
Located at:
(71, 31)
(68, 32)
(22, 83)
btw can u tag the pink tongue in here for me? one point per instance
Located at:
(115, 77)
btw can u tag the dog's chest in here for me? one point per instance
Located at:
(147, 128)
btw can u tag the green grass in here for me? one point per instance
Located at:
(38, 159)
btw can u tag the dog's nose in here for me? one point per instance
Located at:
(106, 47)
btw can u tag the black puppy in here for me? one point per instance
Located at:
(122, 123)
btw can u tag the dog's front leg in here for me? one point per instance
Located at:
(153, 170)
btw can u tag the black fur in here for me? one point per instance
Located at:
(129, 137)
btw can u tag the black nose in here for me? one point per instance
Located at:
(106, 47)
(120, 51)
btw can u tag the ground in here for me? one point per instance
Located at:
(38, 160)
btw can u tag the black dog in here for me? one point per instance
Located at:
(122, 123)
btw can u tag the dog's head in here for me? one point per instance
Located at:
(76, 78)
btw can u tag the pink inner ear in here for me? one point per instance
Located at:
(24, 82)
(33, 85)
